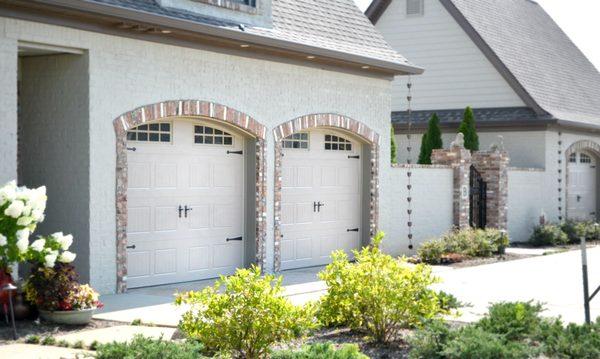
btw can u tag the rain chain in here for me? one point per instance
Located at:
(408, 162)
(560, 176)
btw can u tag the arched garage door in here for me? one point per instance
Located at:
(185, 202)
(581, 195)
(321, 197)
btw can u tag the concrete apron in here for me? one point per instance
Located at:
(554, 280)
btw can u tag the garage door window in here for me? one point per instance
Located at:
(154, 132)
(297, 140)
(583, 158)
(337, 143)
(212, 136)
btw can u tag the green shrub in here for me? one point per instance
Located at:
(548, 235)
(574, 341)
(429, 341)
(512, 320)
(574, 230)
(49, 340)
(393, 149)
(322, 351)
(448, 301)
(78, 344)
(467, 128)
(431, 140)
(32, 339)
(62, 343)
(473, 342)
(378, 293)
(244, 314)
(148, 348)
(432, 251)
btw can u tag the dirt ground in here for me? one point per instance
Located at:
(43, 329)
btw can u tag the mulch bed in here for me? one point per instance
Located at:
(472, 262)
(44, 329)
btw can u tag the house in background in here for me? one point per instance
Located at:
(524, 78)
(182, 139)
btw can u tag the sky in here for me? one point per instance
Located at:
(577, 18)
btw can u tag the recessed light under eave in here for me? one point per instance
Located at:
(365, 67)
(244, 46)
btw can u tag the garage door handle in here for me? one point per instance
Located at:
(355, 157)
(235, 152)
(234, 239)
(352, 230)
(131, 246)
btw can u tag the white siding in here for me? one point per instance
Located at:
(457, 73)
(526, 202)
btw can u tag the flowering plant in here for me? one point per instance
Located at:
(48, 250)
(21, 209)
(57, 288)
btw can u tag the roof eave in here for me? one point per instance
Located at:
(394, 68)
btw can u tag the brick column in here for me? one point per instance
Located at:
(460, 160)
(493, 167)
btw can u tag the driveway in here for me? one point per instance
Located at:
(552, 279)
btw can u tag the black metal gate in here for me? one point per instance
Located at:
(477, 199)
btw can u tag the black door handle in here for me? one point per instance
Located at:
(187, 209)
(179, 210)
(131, 246)
(234, 239)
(352, 230)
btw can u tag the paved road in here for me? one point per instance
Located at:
(553, 279)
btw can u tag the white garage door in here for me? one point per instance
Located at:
(185, 202)
(321, 197)
(581, 200)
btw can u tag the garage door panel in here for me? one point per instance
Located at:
(199, 176)
(165, 175)
(165, 261)
(304, 213)
(199, 258)
(304, 177)
(227, 255)
(288, 251)
(165, 219)
(139, 219)
(226, 215)
(201, 216)
(327, 244)
(304, 248)
(287, 213)
(328, 177)
(225, 175)
(139, 175)
(138, 264)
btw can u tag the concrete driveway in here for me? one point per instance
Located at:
(552, 279)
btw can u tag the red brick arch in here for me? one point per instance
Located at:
(327, 120)
(185, 108)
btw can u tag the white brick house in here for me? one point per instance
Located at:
(180, 139)
(525, 80)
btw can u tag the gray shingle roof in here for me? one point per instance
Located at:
(482, 115)
(531, 51)
(336, 25)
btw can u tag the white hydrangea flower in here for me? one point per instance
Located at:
(37, 215)
(23, 240)
(57, 235)
(24, 221)
(37, 198)
(38, 245)
(8, 192)
(15, 209)
(26, 210)
(65, 241)
(50, 260)
(3, 240)
(67, 257)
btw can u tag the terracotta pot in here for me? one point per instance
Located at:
(70, 317)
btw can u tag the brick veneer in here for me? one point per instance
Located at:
(493, 167)
(185, 108)
(459, 159)
(331, 121)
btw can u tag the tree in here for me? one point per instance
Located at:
(393, 146)
(467, 128)
(432, 139)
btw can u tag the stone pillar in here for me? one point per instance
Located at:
(493, 167)
(460, 160)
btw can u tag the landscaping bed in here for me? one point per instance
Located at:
(496, 258)
(41, 329)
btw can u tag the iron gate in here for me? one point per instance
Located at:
(477, 199)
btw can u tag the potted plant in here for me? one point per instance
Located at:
(58, 295)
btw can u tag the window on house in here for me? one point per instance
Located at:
(296, 140)
(573, 158)
(152, 132)
(205, 135)
(337, 143)
(415, 7)
(583, 158)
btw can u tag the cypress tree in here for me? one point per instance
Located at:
(467, 128)
(432, 139)
(393, 146)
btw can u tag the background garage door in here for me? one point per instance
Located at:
(319, 167)
(184, 163)
(581, 200)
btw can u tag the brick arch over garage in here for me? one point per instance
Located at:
(334, 121)
(581, 145)
(185, 108)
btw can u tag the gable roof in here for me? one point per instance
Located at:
(532, 53)
(335, 29)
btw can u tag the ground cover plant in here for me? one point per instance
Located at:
(461, 244)
(244, 315)
(377, 294)
(567, 232)
(148, 348)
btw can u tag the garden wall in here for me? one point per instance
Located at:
(432, 190)
(526, 201)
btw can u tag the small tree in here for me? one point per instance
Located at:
(393, 149)
(467, 128)
(432, 139)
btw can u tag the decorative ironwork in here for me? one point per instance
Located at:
(409, 210)
(477, 199)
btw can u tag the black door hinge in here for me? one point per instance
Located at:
(355, 157)
(131, 149)
(234, 239)
(235, 152)
(352, 230)
(131, 246)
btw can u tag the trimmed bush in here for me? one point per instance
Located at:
(149, 348)
(574, 341)
(378, 294)
(467, 242)
(472, 342)
(429, 342)
(512, 320)
(548, 235)
(243, 315)
(467, 128)
(431, 140)
(322, 351)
